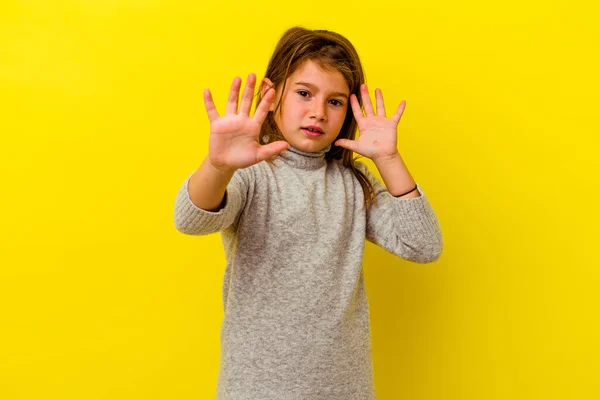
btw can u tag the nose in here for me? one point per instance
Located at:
(318, 111)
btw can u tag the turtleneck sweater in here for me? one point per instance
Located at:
(296, 322)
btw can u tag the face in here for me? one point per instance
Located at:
(313, 97)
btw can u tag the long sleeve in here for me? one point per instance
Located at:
(192, 220)
(406, 227)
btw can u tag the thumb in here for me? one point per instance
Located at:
(270, 150)
(347, 144)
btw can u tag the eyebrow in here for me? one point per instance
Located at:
(313, 87)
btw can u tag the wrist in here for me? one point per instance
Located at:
(224, 171)
(387, 160)
(409, 193)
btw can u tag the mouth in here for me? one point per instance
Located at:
(312, 131)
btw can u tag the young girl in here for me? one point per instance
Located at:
(294, 209)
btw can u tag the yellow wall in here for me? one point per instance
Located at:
(102, 119)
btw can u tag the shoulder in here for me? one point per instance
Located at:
(244, 176)
(261, 171)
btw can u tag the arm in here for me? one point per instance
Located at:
(407, 227)
(210, 201)
(207, 186)
(213, 197)
(396, 177)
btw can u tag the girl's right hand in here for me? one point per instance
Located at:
(233, 142)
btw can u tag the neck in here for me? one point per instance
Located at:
(304, 159)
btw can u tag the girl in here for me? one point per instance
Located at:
(294, 209)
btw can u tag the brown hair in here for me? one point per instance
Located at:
(331, 51)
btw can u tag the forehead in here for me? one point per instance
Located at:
(325, 79)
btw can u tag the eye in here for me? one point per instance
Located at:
(338, 103)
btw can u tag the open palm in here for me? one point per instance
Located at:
(233, 142)
(377, 134)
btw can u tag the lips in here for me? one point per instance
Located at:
(311, 133)
(314, 128)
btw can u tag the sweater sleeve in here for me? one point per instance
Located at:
(406, 227)
(193, 220)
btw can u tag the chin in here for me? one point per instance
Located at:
(310, 145)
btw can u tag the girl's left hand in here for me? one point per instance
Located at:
(378, 134)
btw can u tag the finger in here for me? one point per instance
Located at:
(364, 94)
(347, 144)
(234, 93)
(356, 110)
(209, 104)
(270, 150)
(379, 101)
(263, 108)
(398, 114)
(248, 94)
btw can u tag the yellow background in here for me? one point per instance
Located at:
(102, 118)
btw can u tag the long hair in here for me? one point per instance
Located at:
(330, 51)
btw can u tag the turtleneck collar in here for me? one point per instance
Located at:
(303, 159)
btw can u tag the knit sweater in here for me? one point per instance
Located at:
(296, 316)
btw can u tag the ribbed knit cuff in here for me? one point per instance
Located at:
(419, 219)
(190, 218)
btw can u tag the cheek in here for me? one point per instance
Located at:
(295, 113)
(340, 117)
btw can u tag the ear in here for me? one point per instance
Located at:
(265, 85)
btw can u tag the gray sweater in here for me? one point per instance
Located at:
(296, 317)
